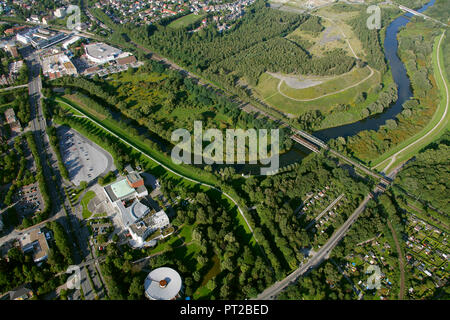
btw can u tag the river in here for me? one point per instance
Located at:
(371, 123)
(400, 77)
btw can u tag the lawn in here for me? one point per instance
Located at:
(328, 86)
(84, 203)
(267, 91)
(185, 21)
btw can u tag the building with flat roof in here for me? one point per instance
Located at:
(149, 223)
(60, 13)
(163, 284)
(40, 38)
(10, 115)
(135, 180)
(101, 53)
(123, 195)
(35, 241)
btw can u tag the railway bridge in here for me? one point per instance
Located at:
(314, 144)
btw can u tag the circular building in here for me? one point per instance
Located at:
(163, 284)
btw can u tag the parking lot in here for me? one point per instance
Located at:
(29, 199)
(83, 159)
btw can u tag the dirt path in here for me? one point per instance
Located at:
(335, 92)
(327, 94)
(401, 262)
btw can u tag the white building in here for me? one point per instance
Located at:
(101, 53)
(149, 223)
(60, 13)
(163, 284)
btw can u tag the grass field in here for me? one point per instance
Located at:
(185, 21)
(267, 90)
(84, 203)
(328, 86)
(144, 150)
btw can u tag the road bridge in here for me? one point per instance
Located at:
(416, 13)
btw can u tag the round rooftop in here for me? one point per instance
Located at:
(162, 284)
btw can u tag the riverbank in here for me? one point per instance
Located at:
(436, 127)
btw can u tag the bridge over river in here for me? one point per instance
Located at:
(314, 144)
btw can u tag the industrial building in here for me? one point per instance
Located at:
(163, 284)
(101, 53)
(40, 38)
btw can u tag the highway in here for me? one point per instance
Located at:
(60, 204)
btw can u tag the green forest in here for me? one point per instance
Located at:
(428, 175)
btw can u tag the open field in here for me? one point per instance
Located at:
(185, 21)
(267, 89)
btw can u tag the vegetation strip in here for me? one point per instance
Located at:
(165, 167)
(393, 157)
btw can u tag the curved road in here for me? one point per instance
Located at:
(336, 92)
(393, 157)
(327, 94)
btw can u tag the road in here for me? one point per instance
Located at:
(15, 87)
(321, 255)
(60, 204)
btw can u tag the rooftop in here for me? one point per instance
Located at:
(122, 189)
(35, 241)
(101, 50)
(162, 284)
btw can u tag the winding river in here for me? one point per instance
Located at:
(400, 77)
(372, 123)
